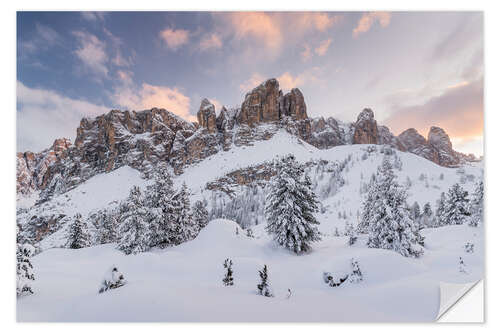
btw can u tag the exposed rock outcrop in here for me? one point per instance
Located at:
(33, 169)
(293, 105)
(261, 104)
(365, 128)
(440, 142)
(206, 116)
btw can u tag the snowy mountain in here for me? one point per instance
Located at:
(340, 177)
(226, 163)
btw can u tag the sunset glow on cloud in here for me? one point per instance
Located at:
(414, 69)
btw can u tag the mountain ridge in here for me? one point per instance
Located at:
(142, 139)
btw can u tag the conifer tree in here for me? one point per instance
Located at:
(390, 223)
(135, 234)
(427, 215)
(78, 236)
(415, 211)
(263, 287)
(440, 210)
(461, 266)
(228, 277)
(349, 232)
(200, 214)
(456, 207)
(109, 226)
(291, 205)
(161, 211)
(184, 227)
(476, 208)
(356, 276)
(367, 206)
(24, 268)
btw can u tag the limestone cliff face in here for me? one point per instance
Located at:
(143, 139)
(206, 116)
(365, 128)
(33, 169)
(261, 104)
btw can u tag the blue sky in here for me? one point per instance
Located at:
(414, 69)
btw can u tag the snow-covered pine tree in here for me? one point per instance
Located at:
(440, 209)
(367, 207)
(109, 226)
(228, 277)
(135, 234)
(24, 268)
(290, 208)
(161, 211)
(184, 227)
(476, 208)
(427, 215)
(78, 236)
(456, 207)
(461, 266)
(263, 287)
(349, 232)
(200, 214)
(250, 233)
(415, 211)
(94, 221)
(356, 275)
(390, 223)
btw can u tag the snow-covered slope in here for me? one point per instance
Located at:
(184, 283)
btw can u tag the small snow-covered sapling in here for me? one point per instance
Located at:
(228, 277)
(356, 276)
(263, 287)
(113, 279)
(461, 266)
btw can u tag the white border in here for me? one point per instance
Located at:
(7, 133)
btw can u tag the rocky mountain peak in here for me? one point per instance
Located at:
(365, 128)
(439, 138)
(206, 115)
(261, 104)
(61, 145)
(366, 115)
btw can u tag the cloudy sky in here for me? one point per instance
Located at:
(414, 69)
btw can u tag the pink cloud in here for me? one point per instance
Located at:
(314, 20)
(306, 54)
(174, 38)
(288, 81)
(458, 110)
(211, 41)
(257, 25)
(125, 76)
(252, 82)
(368, 19)
(149, 96)
(323, 47)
